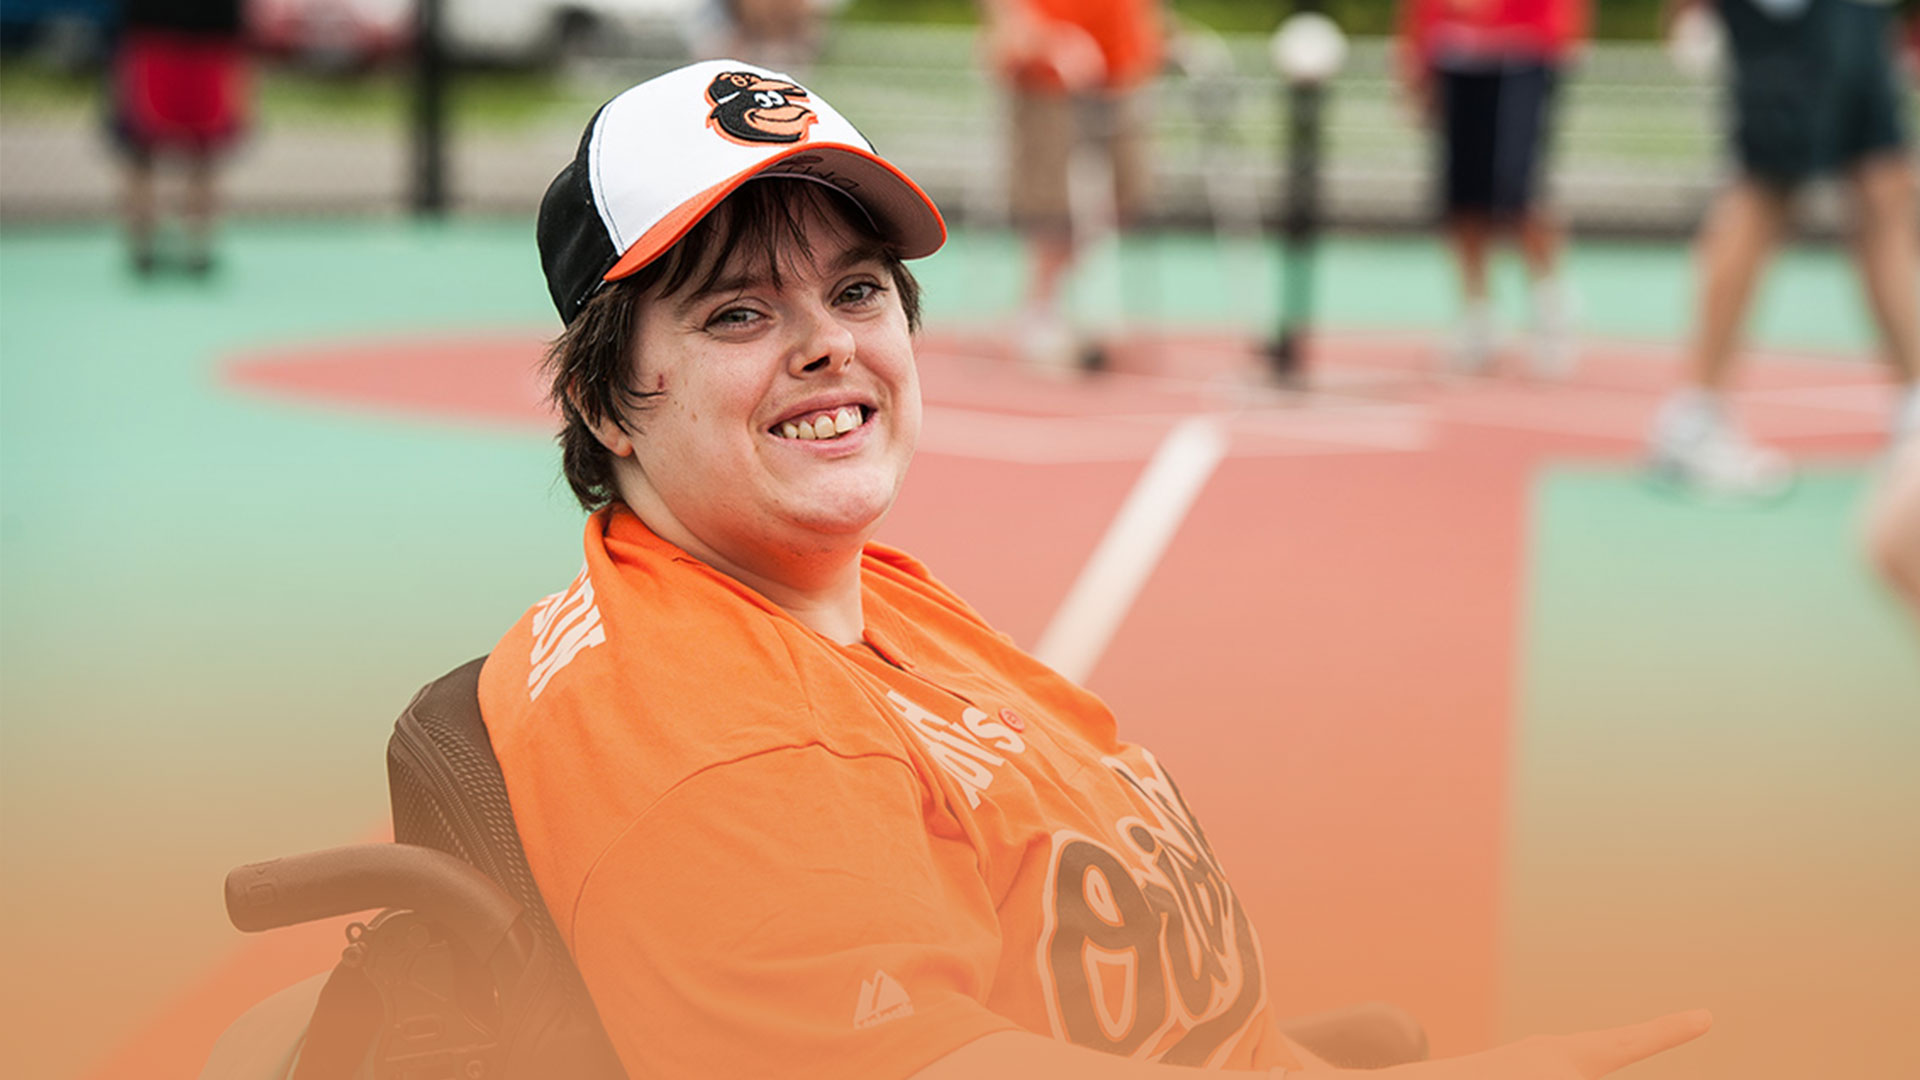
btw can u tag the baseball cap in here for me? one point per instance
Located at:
(661, 155)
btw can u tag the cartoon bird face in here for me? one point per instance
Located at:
(750, 109)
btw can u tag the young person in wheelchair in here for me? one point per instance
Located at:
(796, 809)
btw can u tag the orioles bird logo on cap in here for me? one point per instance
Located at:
(748, 108)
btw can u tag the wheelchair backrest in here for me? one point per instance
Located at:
(448, 793)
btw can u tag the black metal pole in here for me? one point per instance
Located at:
(430, 111)
(1304, 101)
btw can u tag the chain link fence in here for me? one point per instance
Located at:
(1638, 149)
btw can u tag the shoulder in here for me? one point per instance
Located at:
(903, 580)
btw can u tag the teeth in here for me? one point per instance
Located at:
(826, 425)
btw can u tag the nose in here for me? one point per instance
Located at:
(825, 344)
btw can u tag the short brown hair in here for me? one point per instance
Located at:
(589, 366)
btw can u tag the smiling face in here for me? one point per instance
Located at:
(785, 403)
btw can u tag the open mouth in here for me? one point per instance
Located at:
(822, 425)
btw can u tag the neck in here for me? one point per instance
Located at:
(820, 589)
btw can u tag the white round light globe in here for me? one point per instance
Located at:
(1309, 47)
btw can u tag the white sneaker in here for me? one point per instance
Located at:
(1470, 352)
(1720, 462)
(1555, 349)
(1044, 340)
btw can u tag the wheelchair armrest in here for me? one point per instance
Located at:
(360, 877)
(1371, 1036)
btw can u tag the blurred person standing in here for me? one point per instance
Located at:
(179, 88)
(1076, 72)
(781, 34)
(1814, 89)
(1484, 75)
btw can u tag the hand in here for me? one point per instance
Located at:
(1027, 46)
(1585, 1056)
(1416, 99)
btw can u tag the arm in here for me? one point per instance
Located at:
(1671, 11)
(1015, 1055)
(1412, 60)
(1893, 530)
(1021, 42)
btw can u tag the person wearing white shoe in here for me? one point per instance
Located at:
(1484, 77)
(1695, 445)
(1814, 91)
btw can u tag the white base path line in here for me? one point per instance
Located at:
(1126, 555)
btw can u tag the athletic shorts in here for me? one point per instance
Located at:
(178, 91)
(1813, 92)
(1494, 128)
(1047, 127)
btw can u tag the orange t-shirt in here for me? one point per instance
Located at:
(775, 855)
(1128, 32)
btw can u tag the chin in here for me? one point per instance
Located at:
(845, 514)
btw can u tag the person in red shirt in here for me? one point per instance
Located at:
(1484, 74)
(796, 808)
(1076, 73)
(179, 89)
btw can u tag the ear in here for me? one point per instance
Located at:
(612, 436)
(606, 429)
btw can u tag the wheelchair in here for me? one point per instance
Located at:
(462, 975)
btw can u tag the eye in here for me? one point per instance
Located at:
(860, 293)
(730, 317)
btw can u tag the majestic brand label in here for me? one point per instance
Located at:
(882, 998)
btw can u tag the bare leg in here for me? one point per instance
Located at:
(1884, 244)
(1044, 336)
(1735, 246)
(1693, 440)
(1049, 254)
(1470, 234)
(139, 210)
(1893, 527)
(1540, 240)
(200, 207)
(1471, 351)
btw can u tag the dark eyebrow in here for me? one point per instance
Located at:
(731, 283)
(741, 281)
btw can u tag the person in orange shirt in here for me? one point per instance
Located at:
(1076, 74)
(796, 808)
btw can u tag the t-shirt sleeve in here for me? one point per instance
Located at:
(795, 913)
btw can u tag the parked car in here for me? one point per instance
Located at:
(72, 33)
(332, 35)
(345, 34)
(542, 31)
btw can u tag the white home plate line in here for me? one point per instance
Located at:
(1100, 598)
